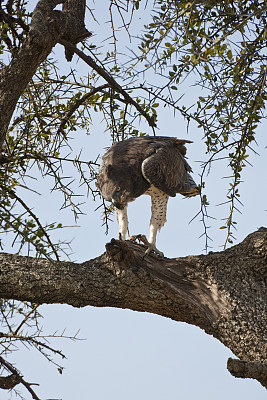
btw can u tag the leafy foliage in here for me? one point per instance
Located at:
(217, 46)
(13, 25)
(220, 46)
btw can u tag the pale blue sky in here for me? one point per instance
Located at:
(130, 355)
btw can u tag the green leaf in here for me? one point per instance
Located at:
(229, 54)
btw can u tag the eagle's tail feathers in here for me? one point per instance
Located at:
(190, 188)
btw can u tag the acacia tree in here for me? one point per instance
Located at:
(222, 45)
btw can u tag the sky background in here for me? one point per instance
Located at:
(132, 355)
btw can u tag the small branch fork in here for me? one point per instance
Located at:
(10, 381)
(79, 102)
(43, 230)
(248, 369)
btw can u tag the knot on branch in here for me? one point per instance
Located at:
(257, 240)
(10, 381)
(125, 253)
(49, 25)
(73, 37)
(74, 12)
(255, 247)
(248, 369)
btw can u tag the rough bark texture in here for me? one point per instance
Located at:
(223, 293)
(75, 9)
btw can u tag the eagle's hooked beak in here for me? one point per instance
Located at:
(117, 204)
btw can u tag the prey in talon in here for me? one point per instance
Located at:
(155, 166)
(150, 247)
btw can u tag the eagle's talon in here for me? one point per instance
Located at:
(140, 238)
(152, 248)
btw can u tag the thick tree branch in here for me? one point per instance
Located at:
(114, 279)
(47, 27)
(14, 78)
(223, 293)
(75, 9)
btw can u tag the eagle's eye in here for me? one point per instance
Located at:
(118, 189)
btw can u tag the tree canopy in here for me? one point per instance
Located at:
(218, 47)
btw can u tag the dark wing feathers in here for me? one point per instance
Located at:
(166, 169)
(134, 162)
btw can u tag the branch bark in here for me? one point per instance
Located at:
(223, 293)
(248, 369)
(75, 9)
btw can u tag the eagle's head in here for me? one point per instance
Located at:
(121, 184)
(120, 197)
(115, 186)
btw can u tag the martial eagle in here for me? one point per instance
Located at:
(145, 165)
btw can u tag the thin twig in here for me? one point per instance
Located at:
(77, 105)
(29, 211)
(108, 78)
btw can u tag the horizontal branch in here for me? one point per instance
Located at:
(223, 293)
(119, 278)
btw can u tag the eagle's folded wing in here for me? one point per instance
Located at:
(168, 171)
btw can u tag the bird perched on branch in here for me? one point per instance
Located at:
(153, 165)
